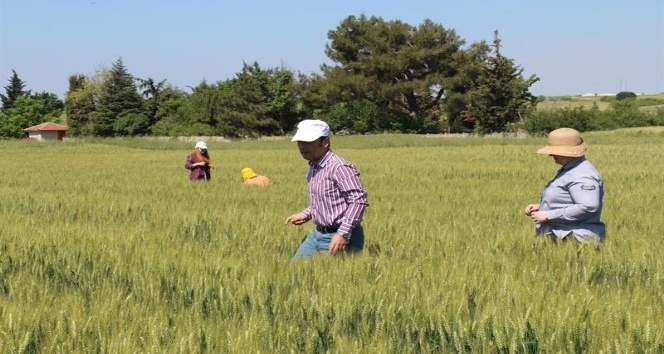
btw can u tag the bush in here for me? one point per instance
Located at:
(649, 101)
(578, 118)
(657, 117)
(131, 124)
(164, 128)
(622, 114)
(603, 121)
(627, 114)
(624, 95)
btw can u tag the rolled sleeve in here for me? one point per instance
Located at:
(307, 213)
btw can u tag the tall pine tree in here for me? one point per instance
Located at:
(119, 100)
(501, 94)
(14, 90)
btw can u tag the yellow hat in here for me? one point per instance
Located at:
(564, 142)
(248, 173)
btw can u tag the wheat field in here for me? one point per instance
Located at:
(106, 247)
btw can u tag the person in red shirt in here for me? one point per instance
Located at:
(198, 162)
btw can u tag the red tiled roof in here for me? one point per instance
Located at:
(46, 127)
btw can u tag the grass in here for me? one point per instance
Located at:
(106, 247)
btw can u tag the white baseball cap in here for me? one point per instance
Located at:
(311, 129)
(201, 145)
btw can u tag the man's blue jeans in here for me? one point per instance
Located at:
(317, 242)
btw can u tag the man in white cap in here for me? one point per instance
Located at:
(337, 199)
(571, 203)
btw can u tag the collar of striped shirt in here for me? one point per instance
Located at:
(321, 162)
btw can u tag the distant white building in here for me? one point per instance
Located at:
(46, 131)
(597, 94)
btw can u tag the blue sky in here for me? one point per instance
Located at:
(575, 47)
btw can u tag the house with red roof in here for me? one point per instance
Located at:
(47, 131)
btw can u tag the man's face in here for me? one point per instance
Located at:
(314, 150)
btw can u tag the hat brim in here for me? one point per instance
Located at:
(567, 151)
(307, 138)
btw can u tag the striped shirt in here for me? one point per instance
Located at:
(336, 195)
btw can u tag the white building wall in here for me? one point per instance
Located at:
(35, 135)
(43, 135)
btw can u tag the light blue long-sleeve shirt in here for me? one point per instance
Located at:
(573, 202)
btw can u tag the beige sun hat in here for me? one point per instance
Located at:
(564, 142)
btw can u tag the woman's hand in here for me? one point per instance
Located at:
(539, 217)
(531, 208)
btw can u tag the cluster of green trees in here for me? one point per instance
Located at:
(387, 76)
(21, 108)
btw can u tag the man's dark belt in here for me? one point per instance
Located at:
(327, 229)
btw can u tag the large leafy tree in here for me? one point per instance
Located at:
(120, 109)
(283, 104)
(200, 113)
(455, 104)
(501, 95)
(170, 117)
(30, 110)
(53, 106)
(259, 102)
(255, 102)
(402, 69)
(244, 107)
(79, 105)
(151, 91)
(14, 90)
(323, 99)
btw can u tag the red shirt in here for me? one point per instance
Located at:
(197, 172)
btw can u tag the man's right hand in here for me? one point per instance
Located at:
(296, 219)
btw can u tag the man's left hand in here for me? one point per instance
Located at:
(338, 244)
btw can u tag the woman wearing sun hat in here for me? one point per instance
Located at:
(571, 203)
